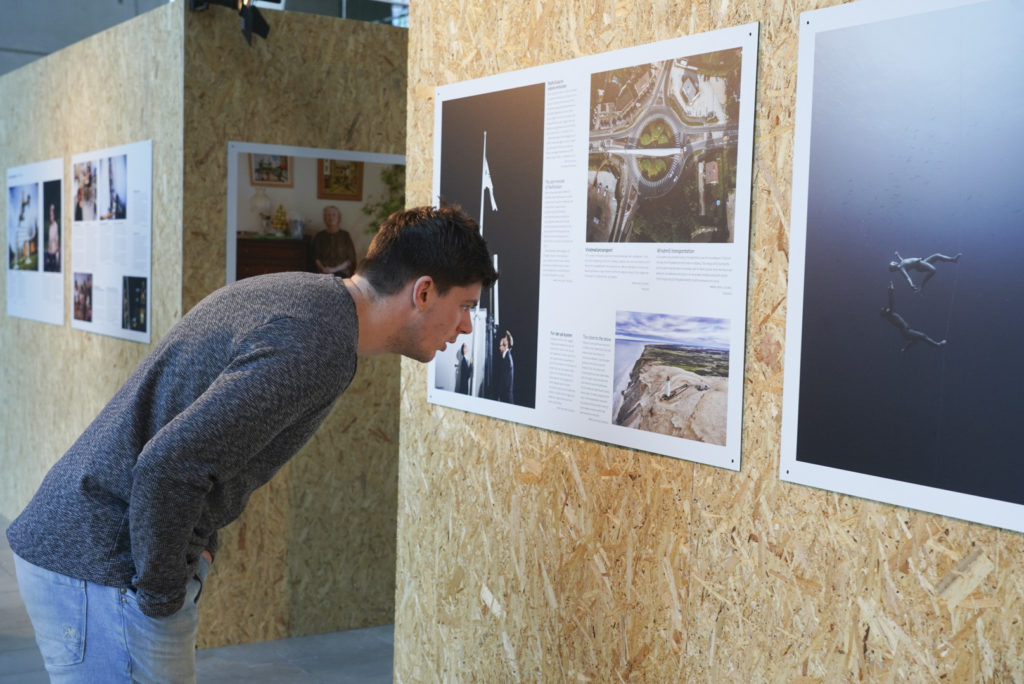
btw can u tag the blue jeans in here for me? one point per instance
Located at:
(92, 633)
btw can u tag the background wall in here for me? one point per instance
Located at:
(529, 555)
(315, 549)
(53, 380)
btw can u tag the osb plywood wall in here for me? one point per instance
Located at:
(531, 556)
(121, 86)
(315, 549)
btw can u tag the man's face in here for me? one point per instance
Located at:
(442, 318)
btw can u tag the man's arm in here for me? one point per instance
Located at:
(906, 275)
(203, 463)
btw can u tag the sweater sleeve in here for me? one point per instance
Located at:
(254, 416)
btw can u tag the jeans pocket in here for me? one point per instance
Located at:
(202, 570)
(56, 604)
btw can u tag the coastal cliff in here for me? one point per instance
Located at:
(678, 391)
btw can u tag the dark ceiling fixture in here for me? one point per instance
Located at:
(252, 20)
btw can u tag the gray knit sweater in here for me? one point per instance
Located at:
(223, 401)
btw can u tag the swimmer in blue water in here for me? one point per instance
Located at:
(909, 334)
(925, 265)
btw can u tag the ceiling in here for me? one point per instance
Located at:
(31, 30)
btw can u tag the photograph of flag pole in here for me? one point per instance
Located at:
(492, 142)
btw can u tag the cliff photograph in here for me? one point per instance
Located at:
(672, 375)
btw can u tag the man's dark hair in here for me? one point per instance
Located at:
(443, 243)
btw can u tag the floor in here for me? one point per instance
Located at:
(360, 655)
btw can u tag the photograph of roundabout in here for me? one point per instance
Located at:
(662, 156)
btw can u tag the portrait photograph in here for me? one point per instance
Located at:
(52, 233)
(82, 305)
(83, 188)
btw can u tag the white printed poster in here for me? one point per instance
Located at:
(111, 241)
(903, 364)
(35, 242)
(614, 194)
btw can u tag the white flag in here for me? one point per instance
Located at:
(488, 183)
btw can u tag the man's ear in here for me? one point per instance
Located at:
(422, 291)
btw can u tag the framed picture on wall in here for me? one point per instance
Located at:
(270, 169)
(661, 354)
(897, 280)
(339, 179)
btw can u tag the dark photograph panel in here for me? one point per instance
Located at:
(52, 236)
(911, 365)
(499, 183)
(133, 303)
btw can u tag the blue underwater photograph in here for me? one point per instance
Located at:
(913, 312)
